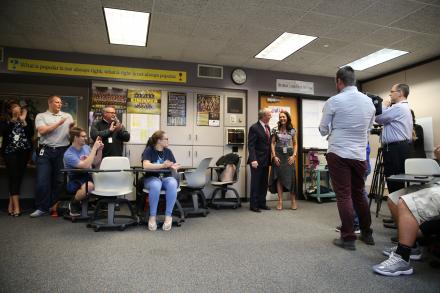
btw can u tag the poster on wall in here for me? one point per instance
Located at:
(143, 101)
(208, 110)
(142, 126)
(276, 110)
(107, 96)
(176, 112)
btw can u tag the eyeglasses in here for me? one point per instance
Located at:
(166, 138)
(110, 112)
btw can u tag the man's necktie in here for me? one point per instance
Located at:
(266, 127)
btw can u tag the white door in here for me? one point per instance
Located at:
(182, 134)
(183, 154)
(208, 130)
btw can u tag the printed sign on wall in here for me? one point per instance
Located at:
(208, 110)
(176, 112)
(143, 101)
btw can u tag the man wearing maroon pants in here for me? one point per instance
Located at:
(347, 118)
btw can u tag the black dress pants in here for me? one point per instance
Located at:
(394, 156)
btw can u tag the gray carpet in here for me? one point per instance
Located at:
(229, 251)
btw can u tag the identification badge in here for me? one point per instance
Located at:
(284, 150)
(110, 140)
(16, 137)
(41, 152)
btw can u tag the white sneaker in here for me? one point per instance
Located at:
(37, 213)
(416, 252)
(393, 266)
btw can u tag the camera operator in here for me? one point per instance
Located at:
(397, 133)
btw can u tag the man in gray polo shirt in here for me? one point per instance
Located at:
(53, 129)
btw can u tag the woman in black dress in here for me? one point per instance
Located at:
(284, 150)
(17, 132)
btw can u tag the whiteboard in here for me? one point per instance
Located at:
(311, 117)
(428, 135)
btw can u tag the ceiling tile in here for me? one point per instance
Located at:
(244, 49)
(133, 5)
(418, 42)
(303, 58)
(257, 35)
(174, 25)
(215, 31)
(192, 8)
(315, 24)
(228, 11)
(13, 40)
(272, 16)
(345, 8)
(425, 20)
(228, 60)
(386, 36)
(325, 45)
(261, 63)
(385, 12)
(297, 4)
(202, 49)
(357, 50)
(351, 31)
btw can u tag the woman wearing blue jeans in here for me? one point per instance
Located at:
(157, 156)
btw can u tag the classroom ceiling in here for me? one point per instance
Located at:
(232, 32)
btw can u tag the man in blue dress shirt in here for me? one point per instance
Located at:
(396, 134)
(347, 119)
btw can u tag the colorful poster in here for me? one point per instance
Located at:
(176, 112)
(107, 96)
(143, 101)
(208, 110)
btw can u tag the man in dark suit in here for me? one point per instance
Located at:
(259, 160)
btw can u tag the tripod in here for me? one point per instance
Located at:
(378, 182)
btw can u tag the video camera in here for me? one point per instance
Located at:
(377, 129)
(377, 102)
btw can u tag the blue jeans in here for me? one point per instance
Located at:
(49, 178)
(155, 185)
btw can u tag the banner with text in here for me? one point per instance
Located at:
(94, 70)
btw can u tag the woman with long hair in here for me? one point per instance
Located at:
(284, 151)
(17, 132)
(157, 156)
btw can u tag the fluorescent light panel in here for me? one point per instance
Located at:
(375, 58)
(127, 27)
(285, 45)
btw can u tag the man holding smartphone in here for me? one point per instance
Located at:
(112, 132)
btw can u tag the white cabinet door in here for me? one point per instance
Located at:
(178, 135)
(201, 152)
(203, 134)
(183, 154)
(134, 153)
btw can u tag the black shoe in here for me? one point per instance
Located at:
(257, 210)
(349, 245)
(390, 225)
(388, 220)
(367, 239)
(266, 208)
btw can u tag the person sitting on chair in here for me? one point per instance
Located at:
(157, 156)
(410, 207)
(80, 156)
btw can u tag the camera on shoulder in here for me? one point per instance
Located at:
(377, 102)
